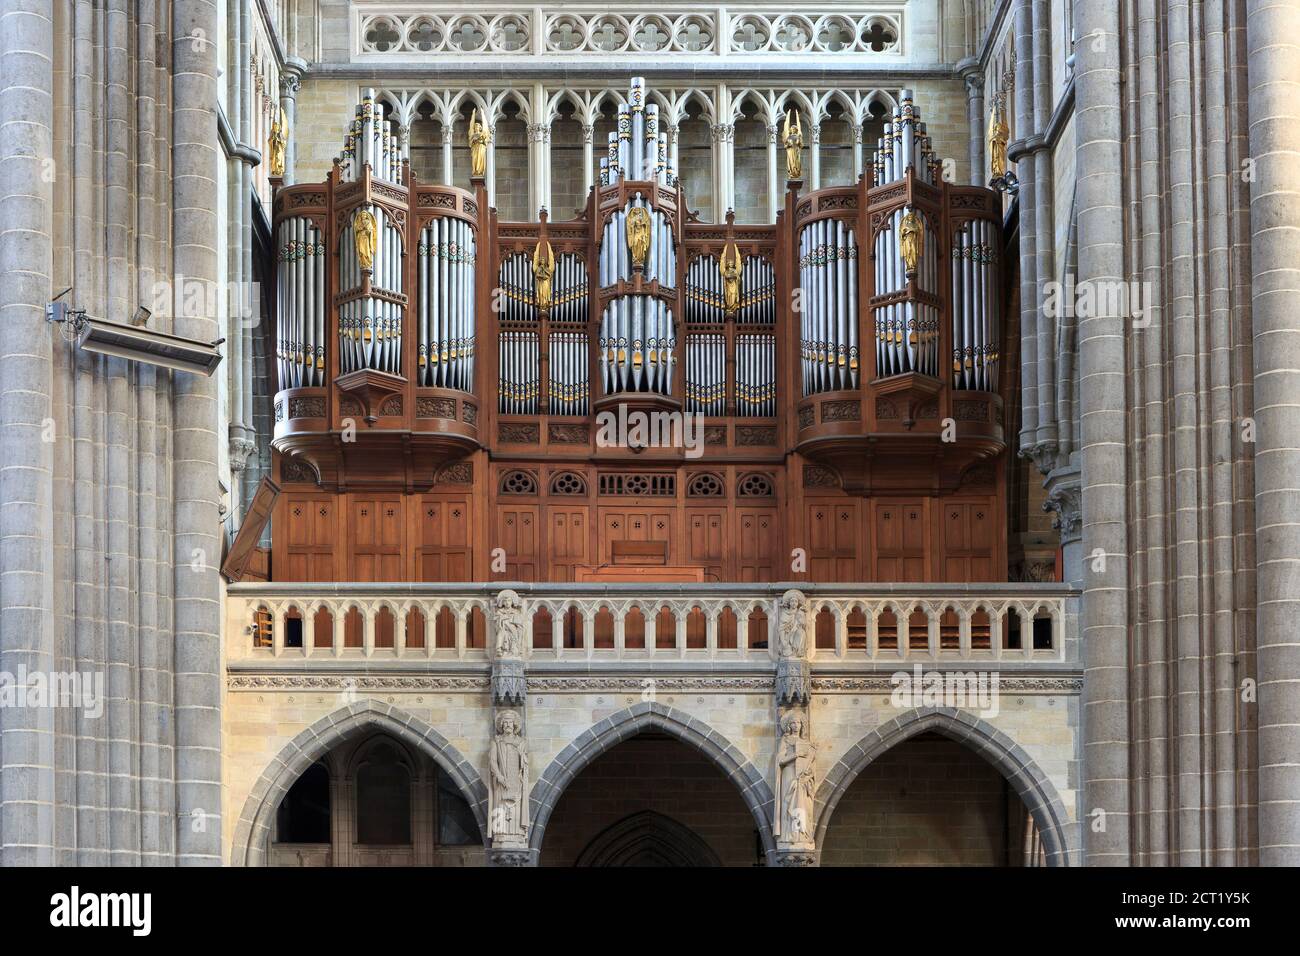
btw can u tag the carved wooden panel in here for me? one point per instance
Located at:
(757, 545)
(443, 536)
(900, 539)
(567, 531)
(706, 541)
(833, 536)
(375, 524)
(637, 524)
(309, 535)
(968, 547)
(517, 528)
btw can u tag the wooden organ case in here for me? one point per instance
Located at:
(449, 384)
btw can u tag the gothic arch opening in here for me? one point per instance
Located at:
(648, 839)
(930, 801)
(651, 800)
(374, 801)
(318, 772)
(950, 745)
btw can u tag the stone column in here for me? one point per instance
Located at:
(794, 773)
(448, 136)
(1065, 499)
(775, 196)
(815, 156)
(196, 620)
(1105, 808)
(588, 159)
(26, 461)
(1273, 51)
(723, 166)
(508, 773)
(1045, 446)
(290, 82)
(970, 72)
(672, 149)
(492, 165)
(858, 168)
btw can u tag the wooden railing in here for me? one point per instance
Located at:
(632, 622)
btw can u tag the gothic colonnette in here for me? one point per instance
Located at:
(974, 328)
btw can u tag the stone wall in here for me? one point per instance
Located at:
(1035, 727)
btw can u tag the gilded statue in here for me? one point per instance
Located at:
(278, 141)
(479, 138)
(730, 268)
(364, 228)
(997, 142)
(543, 270)
(792, 139)
(911, 240)
(638, 235)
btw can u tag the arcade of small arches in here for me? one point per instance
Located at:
(650, 786)
(723, 141)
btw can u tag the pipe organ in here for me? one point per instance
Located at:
(438, 453)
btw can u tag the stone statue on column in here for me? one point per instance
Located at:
(509, 684)
(796, 783)
(793, 683)
(508, 782)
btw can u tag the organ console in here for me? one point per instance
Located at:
(842, 366)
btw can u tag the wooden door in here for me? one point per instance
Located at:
(444, 530)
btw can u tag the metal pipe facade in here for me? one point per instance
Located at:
(372, 141)
(300, 303)
(828, 278)
(446, 254)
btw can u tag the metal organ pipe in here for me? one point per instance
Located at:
(975, 347)
(828, 277)
(446, 321)
(300, 303)
(370, 140)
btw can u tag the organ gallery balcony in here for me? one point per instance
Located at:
(382, 628)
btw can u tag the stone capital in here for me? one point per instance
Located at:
(1065, 498)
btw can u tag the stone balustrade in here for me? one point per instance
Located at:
(846, 624)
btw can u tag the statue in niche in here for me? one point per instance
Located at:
(730, 268)
(543, 270)
(508, 777)
(638, 235)
(792, 139)
(364, 228)
(479, 138)
(911, 240)
(997, 143)
(792, 639)
(795, 784)
(508, 624)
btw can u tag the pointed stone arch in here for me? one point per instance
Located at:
(1057, 831)
(627, 723)
(644, 836)
(253, 828)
